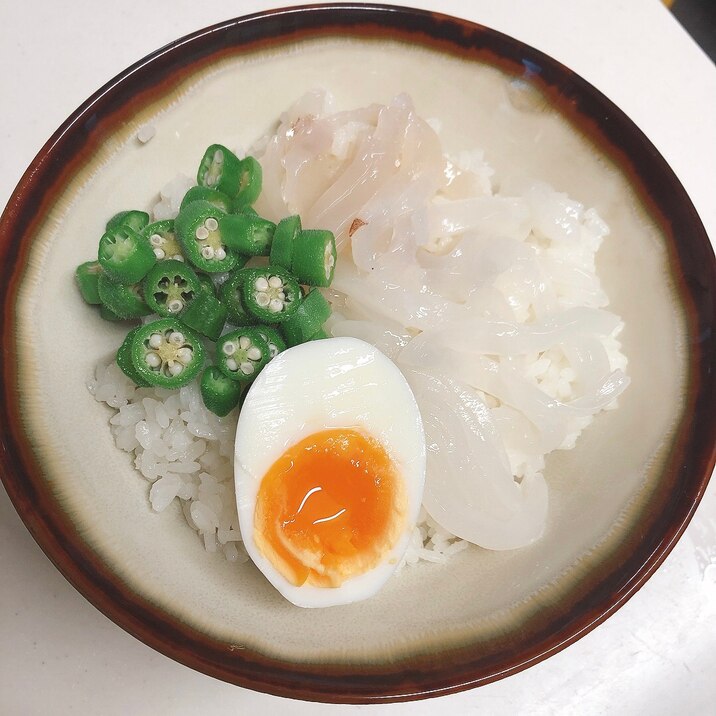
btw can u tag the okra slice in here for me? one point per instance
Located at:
(246, 234)
(221, 394)
(162, 237)
(123, 301)
(124, 360)
(206, 315)
(273, 339)
(242, 353)
(124, 255)
(133, 218)
(220, 169)
(197, 227)
(270, 294)
(251, 179)
(239, 208)
(308, 319)
(287, 230)
(205, 193)
(231, 296)
(166, 353)
(170, 287)
(207, 284)
(87, 276)
(108, 314)
(314, 257)
(322, 333)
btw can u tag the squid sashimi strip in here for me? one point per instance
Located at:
(469, 488)
(474, 262)
(505, 382)
(507, 338)
(380, 294)
(317, 148)
(374, 162)
(392, 223)
(491, 215)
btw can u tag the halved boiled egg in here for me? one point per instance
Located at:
(329, 467)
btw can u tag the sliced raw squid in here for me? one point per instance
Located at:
(469, 488)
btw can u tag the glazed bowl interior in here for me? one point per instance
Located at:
(433, 628)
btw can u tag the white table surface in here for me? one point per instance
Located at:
(657, 655)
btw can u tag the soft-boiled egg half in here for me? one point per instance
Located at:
(330, 467)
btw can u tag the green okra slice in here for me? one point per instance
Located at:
(124, 255)
(242, 353)
(206, 284)
(133, 218)
(206, 193)
(270, 294)
(313, 311)
(170, 287)
(220, 169)
(161, 236)
(206, 315)
(87, 277)
(314, 257)
(167, 354)
(221, 394)
(108, 314)
(122, 300)
(287, 230)
(231, 296)
(124, 360)
(273, 339)
(251, 179)
(247, 235)
(197, 227)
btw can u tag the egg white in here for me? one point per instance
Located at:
(320, 385)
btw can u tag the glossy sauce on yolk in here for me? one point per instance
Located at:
(329, 508)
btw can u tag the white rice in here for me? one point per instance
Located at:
(184, 451)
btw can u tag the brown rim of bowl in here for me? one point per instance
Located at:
(626, 569)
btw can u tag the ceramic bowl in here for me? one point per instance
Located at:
(619, 501)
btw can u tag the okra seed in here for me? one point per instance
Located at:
(202, 233)
(253, 353)
(231, 364)
(328, 260)
(185, 355)
(247, 368)
(175, 305)
(244, 342)
(153, 360)
(207, 252)
(176, 338)
(220, 254)
(229, 348)
(156, 240)
(275, 305)
(159, 253)
(218, 156)
(275, 282)
(262, 299)
(211, 224)
(155, 340)
(176, 368)
(178, 257)
(261, 284)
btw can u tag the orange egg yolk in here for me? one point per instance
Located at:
(331, 507)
